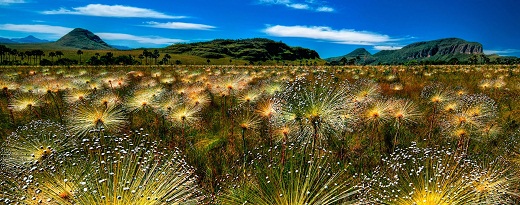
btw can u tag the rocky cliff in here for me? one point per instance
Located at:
(436, 50)
(448, 46)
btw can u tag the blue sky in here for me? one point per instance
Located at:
(330, 27)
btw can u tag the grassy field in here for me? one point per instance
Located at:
(184, 59)
(231, 134)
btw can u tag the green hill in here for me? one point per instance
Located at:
(82, 39)
(76, 39)
(256, 49)
(360, 52)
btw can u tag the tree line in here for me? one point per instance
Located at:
(9, 56)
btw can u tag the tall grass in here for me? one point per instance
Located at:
(230, 134)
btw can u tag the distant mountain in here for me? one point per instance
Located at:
(82, 39)
(360, 52)
(29, 39)
(6, 40)
(435, 51)
(123, 48)
(256, 49)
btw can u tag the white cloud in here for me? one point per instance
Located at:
(344, 36)
(59, 31)
(501, 52)
(139, 39)
(275, 1)
(179, 25)
(6, 2)
(325, 9)
(36, 28)
(294, 4)
(113, 11)
(381, 48)
(299, 6)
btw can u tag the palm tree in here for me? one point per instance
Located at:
(2, 52)
(37, 55)
(28, 54)
(52, 54)
(168, 57)
(146, 54)
(33, 54)
(14, 53)
(141, 57)
(7, 52)
(155, 55)
(22, 56)
(59, 54)
(79, 52)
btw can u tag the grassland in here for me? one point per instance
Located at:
(184, 58)
(231, 134)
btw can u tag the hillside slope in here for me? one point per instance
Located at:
(82, 39)
(435, 51)
(256, 49)
(360, 52)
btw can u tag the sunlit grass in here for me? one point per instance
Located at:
(437, 176)
(243, 131)
(296, 182)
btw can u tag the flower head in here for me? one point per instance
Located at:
(24, 101)
(86, 118)
(35, 142)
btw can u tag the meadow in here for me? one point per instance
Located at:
(229, 134)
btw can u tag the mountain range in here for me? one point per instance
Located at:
(447, 50)
(28, 39)
(441, 50)
(76, 39)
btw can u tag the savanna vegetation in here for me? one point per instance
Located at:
(233, 134)
(254, 50)
(51, 55)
